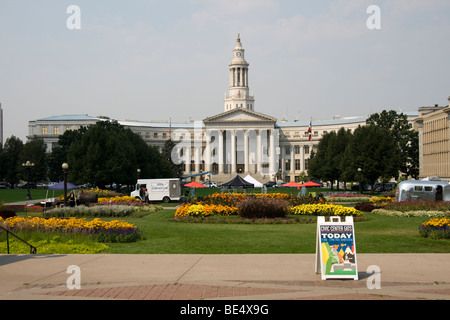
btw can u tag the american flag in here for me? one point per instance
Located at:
(310, 130)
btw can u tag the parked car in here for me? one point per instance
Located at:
(41, 185)
(365, 187)
(27, 185)
(271, 184)
(380, 187)
(210, 184)
(4, 185)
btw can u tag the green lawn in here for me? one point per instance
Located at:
(378, 234)
(17, 195)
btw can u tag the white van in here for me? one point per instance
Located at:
(164, 190)
(423, 190)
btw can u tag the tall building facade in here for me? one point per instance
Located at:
(239, 140)
(434, 142)
(1, 126)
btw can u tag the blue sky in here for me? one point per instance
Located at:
(155, 59)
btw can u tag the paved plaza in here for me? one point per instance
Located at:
(220, 277)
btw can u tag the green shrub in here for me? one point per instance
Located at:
(263, 208)
(5, 214)
(53, 244)
(366, 207)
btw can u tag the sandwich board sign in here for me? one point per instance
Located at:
(336, 248)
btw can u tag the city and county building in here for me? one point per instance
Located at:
(434, 142)
(238, 140)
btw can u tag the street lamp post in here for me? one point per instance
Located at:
(65, 168)
(28, 165)
(359, 177)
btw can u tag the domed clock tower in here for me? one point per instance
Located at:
(239, 93)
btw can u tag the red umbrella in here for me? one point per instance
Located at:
(292, 184)
(194, 184)
(310, 184)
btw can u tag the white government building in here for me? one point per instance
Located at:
(238, 141)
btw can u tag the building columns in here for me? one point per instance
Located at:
(246, 153)
(233, 152)
(221, 153)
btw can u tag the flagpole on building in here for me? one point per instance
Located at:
(170, 128)
(310, 129)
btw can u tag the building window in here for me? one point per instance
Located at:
(297, 149)
(56, 130)
(287, 150)
(44, 131)
(288, 165)
(155, 135)
(164, 135)
(306, 149)
(68, 128)
(297, 164)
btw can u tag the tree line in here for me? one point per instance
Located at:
(100, 154)
(384, 148)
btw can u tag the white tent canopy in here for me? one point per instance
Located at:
(255, 182)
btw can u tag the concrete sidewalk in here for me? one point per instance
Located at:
(228, 277)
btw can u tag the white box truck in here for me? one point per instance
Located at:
(164, 190)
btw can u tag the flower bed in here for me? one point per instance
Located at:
(347, 197)
(102, 193)
(118, 199)
(437, 228)
(103, 210)
(199, 210)
(415, 209)
(414, 213)
(382, 199)
(104, 231)
(225, 204)
(232, 199)
(406, 206)
(324, 210)
(205, 210)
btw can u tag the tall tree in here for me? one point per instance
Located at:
(35, 151)
(102, 156)
(108, 153)
(58, 155)
(177, 169)
(374, 150)
(326, 165)
(10, 160)
(405, 135)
